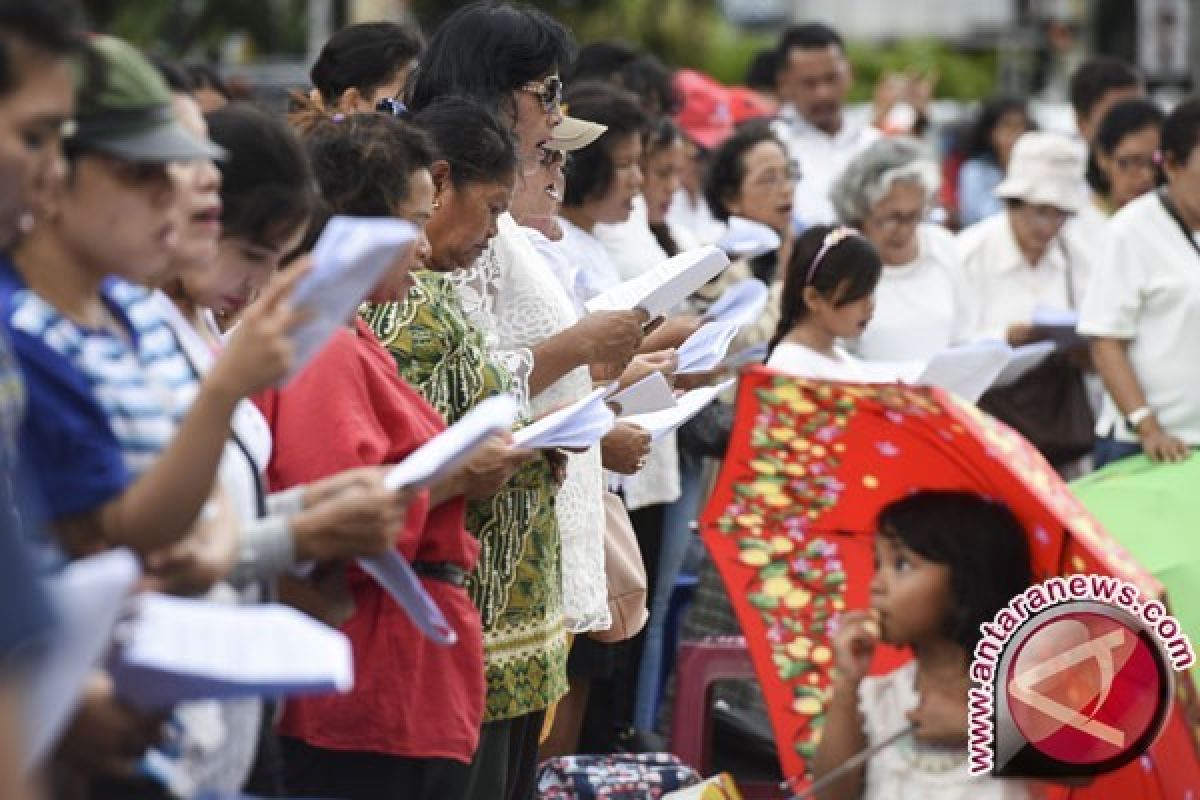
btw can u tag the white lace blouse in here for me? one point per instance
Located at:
(513, 296)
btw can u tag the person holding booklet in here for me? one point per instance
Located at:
(350, 408)
(515, 584)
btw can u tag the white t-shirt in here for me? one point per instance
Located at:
(693, 221)
(1148, 291)
(804, 362)
(821, 158)
(908, 770)
(580, 262)
(1004, 288)
(922, 307)
(631, 244)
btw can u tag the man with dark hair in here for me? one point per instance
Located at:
(1096, 86)
(36, 106)
(814, 77)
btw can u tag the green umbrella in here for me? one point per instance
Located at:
(1154, 511)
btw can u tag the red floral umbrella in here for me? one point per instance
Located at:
(791, 521)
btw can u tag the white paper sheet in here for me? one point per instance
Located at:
(651, 393)
(89, 596)
(1022, 360)
(177, 649)
(968, 370)
(659, 290)
(659, 423)
(1058, 325)
(445, 451)
(745, 238)
(349, 259)
(706, 348)
(397, 576)
(754, 354)
(581, 424)
(741, 303)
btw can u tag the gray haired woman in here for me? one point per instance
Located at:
(921, 306)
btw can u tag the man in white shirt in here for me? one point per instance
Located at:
(814, 79)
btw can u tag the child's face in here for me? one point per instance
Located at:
(911, 593)
(846, 321)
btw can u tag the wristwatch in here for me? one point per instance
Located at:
(1138, 416)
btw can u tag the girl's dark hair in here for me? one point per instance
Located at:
(980, 540)
(471, 139)
(590, 171)
(661, 134)
(485, 51)
(267, 185)
(363, 162)
(1123, 119)
(1180, 131)
(728, 169)
(852, 263)
(979, 141)
(364, 57)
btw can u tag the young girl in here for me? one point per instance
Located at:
(828, 293)
(945, 562)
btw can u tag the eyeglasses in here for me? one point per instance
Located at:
(390, 105)
(548, 91)
(770, 178)
(1134, 162)
(890, 223)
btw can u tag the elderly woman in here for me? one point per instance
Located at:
(1143, 310)
(921, 306)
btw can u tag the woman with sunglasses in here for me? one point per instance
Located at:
(921, 305)
(364, 67)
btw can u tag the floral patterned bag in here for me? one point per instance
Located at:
(621, 776)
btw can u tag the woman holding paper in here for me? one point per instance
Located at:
(921, 305)
(349, 408)
(438, 349)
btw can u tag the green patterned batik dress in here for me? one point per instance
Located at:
(516, 585)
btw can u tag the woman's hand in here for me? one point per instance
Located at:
(105, 736)
(205, 555)
(260, 352)
(486, 472)
(625, 448)
(610, 338)
(854, 644)
(362, 518)
(645, 364)
(1160, 446)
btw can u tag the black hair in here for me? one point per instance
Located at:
(760, 74)
(1097, 77)
(48, 26)
(363, 57)
(991, 111)
(485, 51)
(205, 76)
(267, 185)
(625, 66)
(727, 169)
(812, 36)
(178, 77)
(363, 162)
(980, 540)
(851, 268)
(590, 171)
(1123, 119)
(1181, 131)
(471, 139)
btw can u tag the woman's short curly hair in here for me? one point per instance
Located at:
(870, 176)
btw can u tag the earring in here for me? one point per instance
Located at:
(437, 204)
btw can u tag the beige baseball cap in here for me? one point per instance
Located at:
(575, 134)
(1046, 168)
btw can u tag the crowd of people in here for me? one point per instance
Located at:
(153, 234)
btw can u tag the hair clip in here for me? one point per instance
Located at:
(832, 239)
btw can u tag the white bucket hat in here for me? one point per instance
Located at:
(1046, 169)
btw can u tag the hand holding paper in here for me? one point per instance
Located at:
(651, 393)
(706, 348)
(661, 289)
(448, 449)
(741, 303)
(579, 425)
(348, 260)
(660, 423)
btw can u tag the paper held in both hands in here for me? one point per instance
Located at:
(659, 290)
(348, 260)
(968, 370)
(579, 425)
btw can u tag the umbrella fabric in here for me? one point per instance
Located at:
(791, 521)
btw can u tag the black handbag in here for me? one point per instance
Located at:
(1049, 405)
